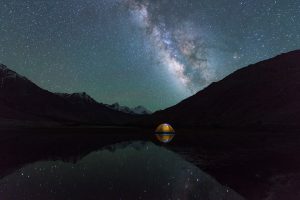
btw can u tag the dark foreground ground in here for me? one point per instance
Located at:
(258, 165)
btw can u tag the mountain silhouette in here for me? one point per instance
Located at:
(138, 110)
(21, 99)
(262, 95)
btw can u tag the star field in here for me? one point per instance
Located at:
(142, 52)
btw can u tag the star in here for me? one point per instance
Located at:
(120, 50)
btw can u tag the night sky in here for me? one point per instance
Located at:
(141, 52)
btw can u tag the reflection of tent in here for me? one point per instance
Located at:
(165, 133)
(164, 128)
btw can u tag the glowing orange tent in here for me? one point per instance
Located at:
(164, 133)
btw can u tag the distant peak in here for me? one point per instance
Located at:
(78, 96)
(2, 67)
(140, 110)
(115, 104)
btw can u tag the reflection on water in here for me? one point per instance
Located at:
(135, 170)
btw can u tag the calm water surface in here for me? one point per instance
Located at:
(131, 170)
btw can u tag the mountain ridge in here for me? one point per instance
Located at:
(265, 94)
(139, 110)
(262, 95)
(84, 98)
(21, 99)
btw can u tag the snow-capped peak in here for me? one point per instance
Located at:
(81, 96)
(139, 110)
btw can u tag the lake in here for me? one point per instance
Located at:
(113, 163)
(130, 170)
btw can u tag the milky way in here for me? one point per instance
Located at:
(153, 53)
(179, 47)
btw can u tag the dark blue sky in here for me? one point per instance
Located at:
(142, 52)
